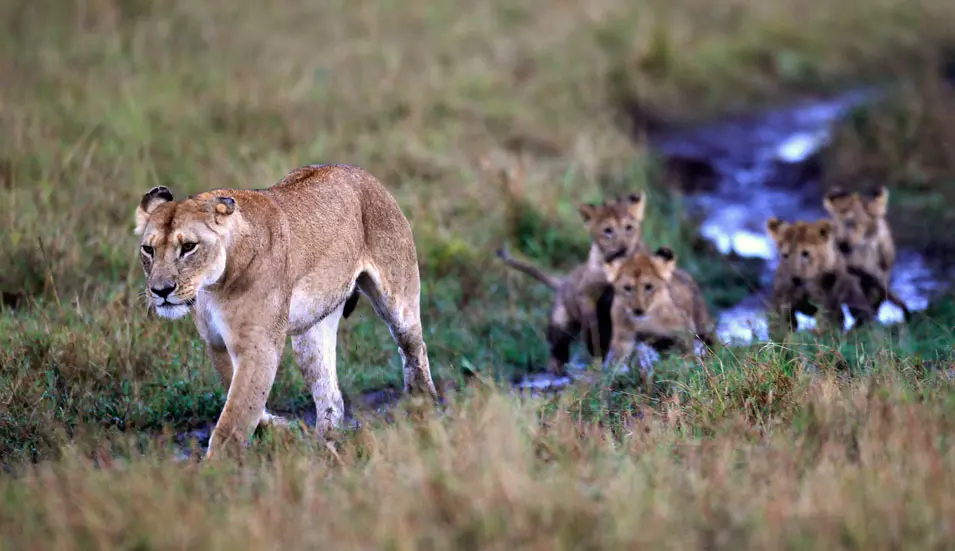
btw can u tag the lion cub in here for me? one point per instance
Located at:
(813, 276)
(615, 229)
(656, 302)
(863, 236)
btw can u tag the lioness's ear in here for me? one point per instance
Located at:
(588, 211)
(878, 205)
(151, 199)
(665, 260)
(612, 268)
(775, 227)
(222, 207)
(636, 205)
(833, 195)
(824, 229)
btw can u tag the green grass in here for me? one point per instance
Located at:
(814, 444)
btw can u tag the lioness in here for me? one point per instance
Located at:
(615, 230)
(863, 236)
(254, 266)
(812, 276)
(656, 302)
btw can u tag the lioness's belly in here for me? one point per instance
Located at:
(313, 300)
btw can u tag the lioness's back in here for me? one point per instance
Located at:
(344, 207)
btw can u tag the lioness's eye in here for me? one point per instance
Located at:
(148, 250)
(608, 231)
(785, 256)
(629, 227)
(850, 225)
(628, 288)
(648, 287)
(186, 247)
(805, 254)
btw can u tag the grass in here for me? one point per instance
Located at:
(809, 444)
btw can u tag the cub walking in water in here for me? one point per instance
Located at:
(812, 277)
(615, 230)
(257, 266)
(862, 234)
(656, 302)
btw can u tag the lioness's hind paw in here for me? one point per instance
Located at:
(271, 420)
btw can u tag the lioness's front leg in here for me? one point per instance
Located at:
(256, 351)
(222, 362)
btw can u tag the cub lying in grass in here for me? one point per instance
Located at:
(864, 237)
(615, 229)
(812, 277)
(656, 302)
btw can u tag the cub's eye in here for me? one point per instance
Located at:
(187, 247)
(628, 227)
(147, 250)
(628, 288)
(608, 231)
(785, 256)
(648, 287)
(805, 254)
(850, 225)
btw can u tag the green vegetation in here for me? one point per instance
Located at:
(812, 444)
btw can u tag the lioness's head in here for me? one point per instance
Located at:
(856, 218)
(641, 281)
(182, 247)
(806, 249)
(615, 226)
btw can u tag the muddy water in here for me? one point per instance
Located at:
(766, 164)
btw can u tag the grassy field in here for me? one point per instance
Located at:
(815, 445)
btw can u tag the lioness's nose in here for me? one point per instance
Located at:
(797, 281)
(844, 246)
(164, 291)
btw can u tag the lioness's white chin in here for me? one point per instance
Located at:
(172, 311)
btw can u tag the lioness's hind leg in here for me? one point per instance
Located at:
(315, 355)
(398, 304)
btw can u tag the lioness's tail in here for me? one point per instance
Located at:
(551, 281)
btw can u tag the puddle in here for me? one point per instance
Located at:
(767, 165)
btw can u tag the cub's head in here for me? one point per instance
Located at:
(806, 249)
(182, 248)
(641, 281)
(856, 218)
(615, 226)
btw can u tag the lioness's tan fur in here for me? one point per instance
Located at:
(615, 230)
(278, 262)
(863, 235)
(812, 277)
(657, 302)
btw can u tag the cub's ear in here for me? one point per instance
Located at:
(636, 204)
(665, 260)
(151, 199)
(588, 211)
(824, 229)
(878, 205)
(612, 268)
(775, 228)
(833, 195)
